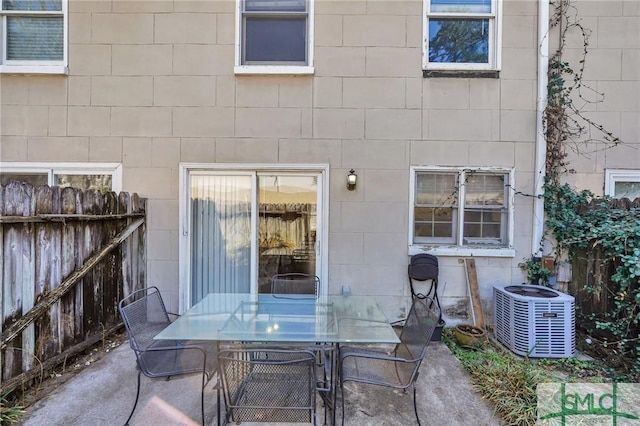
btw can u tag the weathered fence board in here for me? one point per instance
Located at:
(53, 296)
(591, 283)
(67, 258)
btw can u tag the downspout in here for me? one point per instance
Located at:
(540, 145)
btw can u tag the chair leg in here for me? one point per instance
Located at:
(218, 402)
(342, 401)
(415, 404)
(204, 382)
(135, 403)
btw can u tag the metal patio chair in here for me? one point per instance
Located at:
(300, 283)
(144, 315)
(268, 385)
(400, 368)
(423, 267)
(295, 283)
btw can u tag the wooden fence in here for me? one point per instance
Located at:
(66, 258)
(591, 283)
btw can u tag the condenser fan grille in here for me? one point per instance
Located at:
(531, 291)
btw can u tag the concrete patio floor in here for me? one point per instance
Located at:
(103, 394)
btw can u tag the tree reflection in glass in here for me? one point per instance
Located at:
(459, 40)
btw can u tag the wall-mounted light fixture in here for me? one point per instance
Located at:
(352, 179)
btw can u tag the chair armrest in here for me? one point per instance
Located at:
(160, 361)
(178, 347)
(350, 351)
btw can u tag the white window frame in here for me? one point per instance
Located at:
(53, 169)
(34, 67)
(240, 68)
(458, 248)
(613, 176)
(495, 39)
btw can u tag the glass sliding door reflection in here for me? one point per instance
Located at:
(287, 225)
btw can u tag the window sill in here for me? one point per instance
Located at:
(273, 69)
(457, 251)
(460, 73)
(34, 69)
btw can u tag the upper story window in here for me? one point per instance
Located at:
(462, 35)
(102, 176)
(34, 36)
(274, 37)
(622, 183)
(458, 209)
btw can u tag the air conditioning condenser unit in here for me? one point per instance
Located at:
(535, 321)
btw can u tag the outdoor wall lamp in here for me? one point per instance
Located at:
(352, 178)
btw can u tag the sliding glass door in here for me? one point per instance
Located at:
(246, 226)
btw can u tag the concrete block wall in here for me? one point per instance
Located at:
(151, 84)
(612, 72)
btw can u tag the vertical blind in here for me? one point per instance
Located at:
(220, 235)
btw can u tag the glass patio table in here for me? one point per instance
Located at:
(288, 320)
(241, 317)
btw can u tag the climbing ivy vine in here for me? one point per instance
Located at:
(578, 220)
(566, 124)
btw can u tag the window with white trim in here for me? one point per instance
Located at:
(622, 183)
(462, 34)
(34, 36)
(274, 36)
(461, 207)
(101, 176)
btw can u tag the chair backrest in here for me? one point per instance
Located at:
(144, 315)
(418, 328)
(295, 283)
(269, 385)
(423, 267)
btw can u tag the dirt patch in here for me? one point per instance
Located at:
(51, 380)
